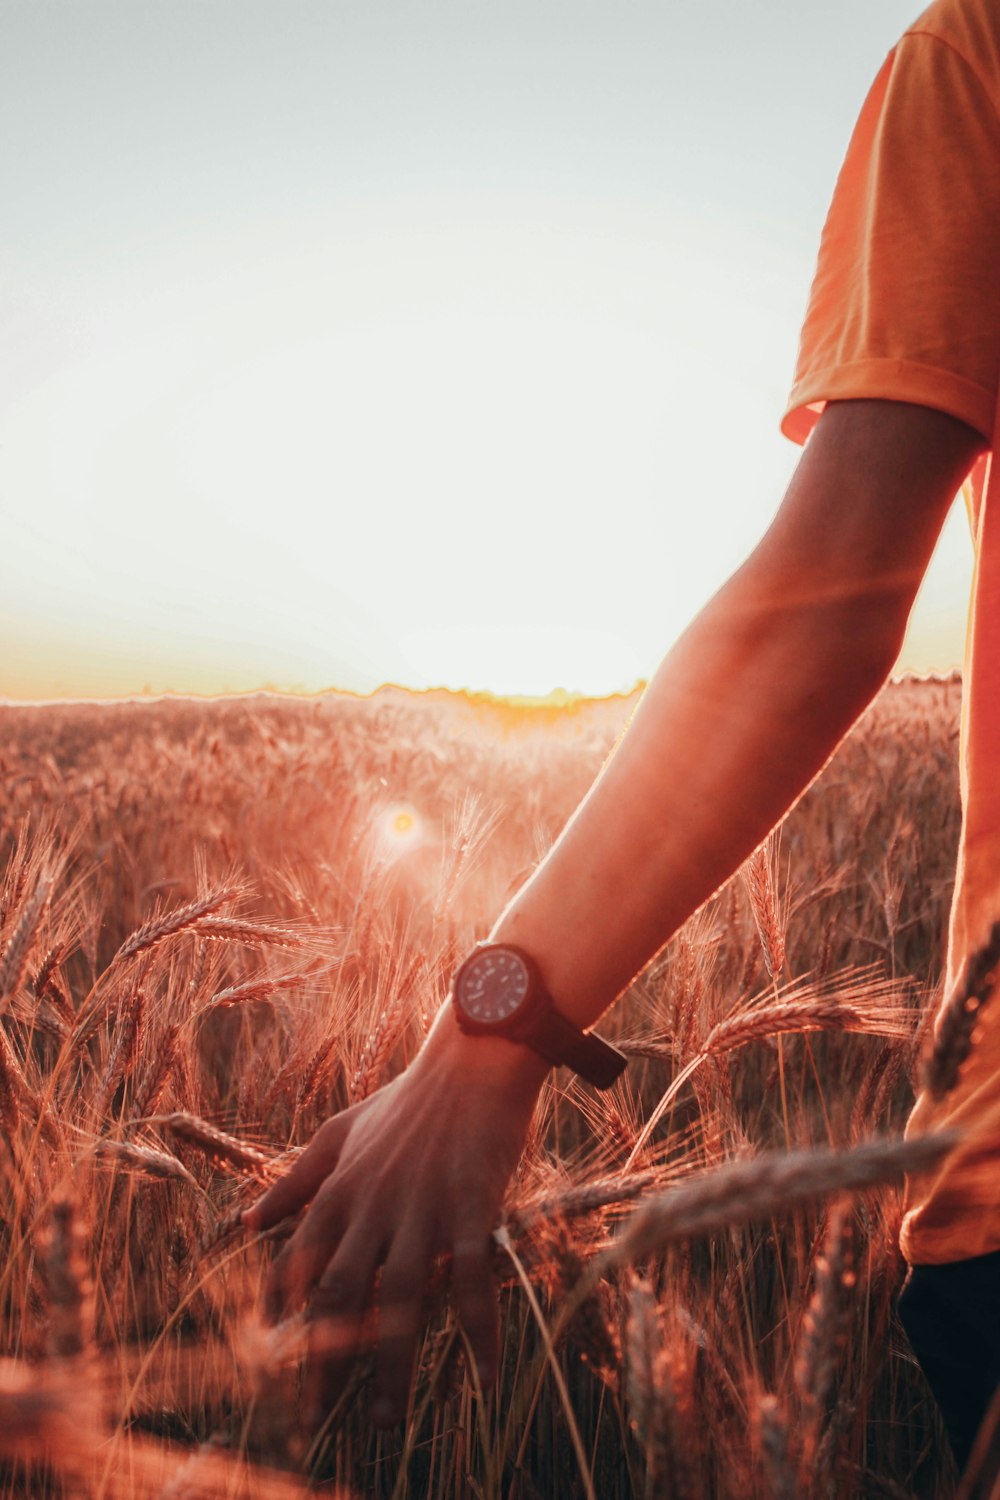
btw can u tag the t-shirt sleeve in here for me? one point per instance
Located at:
(905, 304)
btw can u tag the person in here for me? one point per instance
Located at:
(896, 389)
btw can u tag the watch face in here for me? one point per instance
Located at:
(493, 986)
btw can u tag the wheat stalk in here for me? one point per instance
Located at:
(70, 1292)
(643, 1346)
(42, 1017)
(757, 877)
(256, 989)
(378, 1046)
(803, 1015)
(101, 996)
(158, 1073)
(803, 1006)
(251, 934)
(216, 1144)
(47, 968)
(18, 949)
(825, 1329)
(314, 1072)
(767, 1185)
(675, 1390)
(14, 1092)
(548, 1340)
(143, 1159)
(124, 1052)
(774, 1440)
(958, 1016)
(827, 1470)
(170, 923)
(588, 1197)
(592, 1326)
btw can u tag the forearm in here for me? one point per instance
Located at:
(740, 717)
(748, 706)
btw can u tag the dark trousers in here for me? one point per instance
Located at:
(951, 1315)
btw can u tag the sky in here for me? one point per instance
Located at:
(435, 343)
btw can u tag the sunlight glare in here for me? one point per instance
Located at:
(400, 829)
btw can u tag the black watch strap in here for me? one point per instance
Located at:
(583, 1051)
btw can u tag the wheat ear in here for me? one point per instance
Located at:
(256, 989)
(143, 1159)
(643, 1346)
(124, 1052)
(774, 1441)
(170, 923)
(216, 1144)
(573, 1202)
(70, 1292)
(251, 934)
(743, 1191)
(756, 873)
(956, 1021)
(824, 1329)
(18, 949)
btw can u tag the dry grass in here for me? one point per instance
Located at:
(215, 929)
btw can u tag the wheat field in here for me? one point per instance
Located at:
(222, 921)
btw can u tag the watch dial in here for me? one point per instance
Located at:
(494, 986)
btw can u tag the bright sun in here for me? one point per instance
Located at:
(400, 827)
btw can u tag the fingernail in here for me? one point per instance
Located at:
(249, 1218)
(383, 1412)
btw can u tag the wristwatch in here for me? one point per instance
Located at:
(499, 991)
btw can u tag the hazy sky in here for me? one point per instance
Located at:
(438, 343)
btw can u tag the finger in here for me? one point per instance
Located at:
(301, 1262)
(475, 1296)
(303, 1178)
(400, 1317)
(337, 1310)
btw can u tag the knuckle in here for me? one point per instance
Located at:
(279, 1273)
(279, 1267)
(319, 1225)
(332, 1339)
(327, 1197)
(474, 1298)
(402, 1280)
(398, 1315)
(475, 1317)
(335, 1290)
(473, 1309)
(470, 1261)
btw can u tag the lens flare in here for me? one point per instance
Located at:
(400, 828)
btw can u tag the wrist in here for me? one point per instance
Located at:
(569, 964)
(500, 991)
(499, 1060)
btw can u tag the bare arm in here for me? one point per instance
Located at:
(750, 703)
(743, 713)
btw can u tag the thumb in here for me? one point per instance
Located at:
(294, 1189)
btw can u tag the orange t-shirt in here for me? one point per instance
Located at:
(905, 306)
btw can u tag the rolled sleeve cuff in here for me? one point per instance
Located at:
(887, 380)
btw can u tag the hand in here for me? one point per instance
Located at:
(418, 1169)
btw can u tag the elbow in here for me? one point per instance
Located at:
(856, 656)
(833, 659)
(841, 620)
(876, 633)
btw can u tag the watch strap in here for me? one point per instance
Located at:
(585, 1052)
